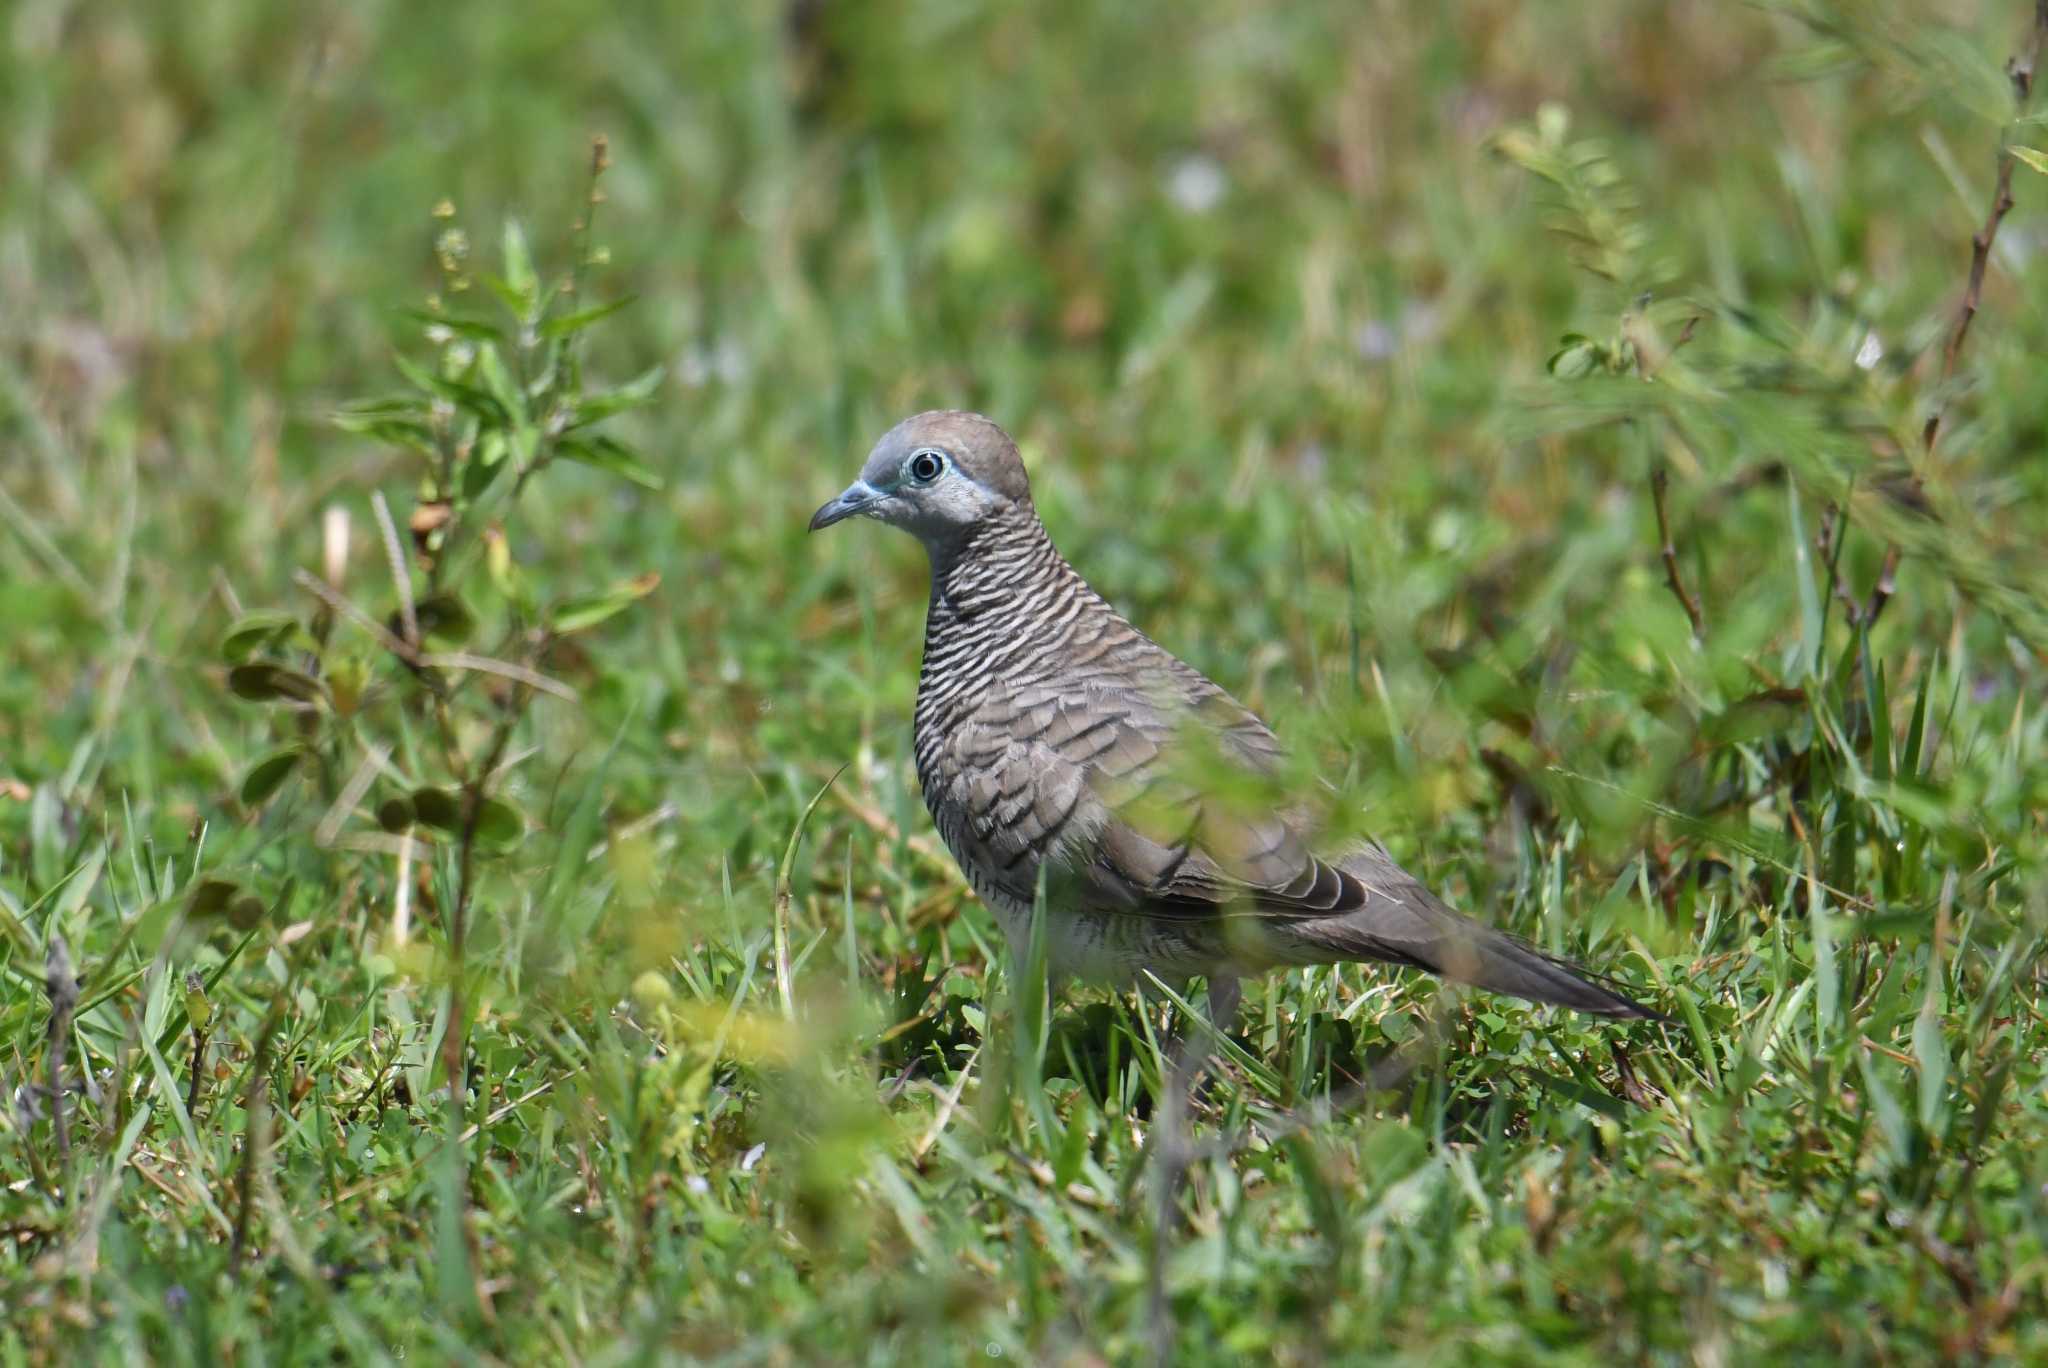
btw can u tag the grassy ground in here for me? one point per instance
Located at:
(1278, 302)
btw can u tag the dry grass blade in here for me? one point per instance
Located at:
(401, 578)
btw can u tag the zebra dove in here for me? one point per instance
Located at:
(1055, 741)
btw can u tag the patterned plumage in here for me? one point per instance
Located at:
(1054, 740)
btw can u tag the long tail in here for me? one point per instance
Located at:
(1402, 922)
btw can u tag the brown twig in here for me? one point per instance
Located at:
(1659, 479)
(1647, 361)
(2020, 70)
(447, 660)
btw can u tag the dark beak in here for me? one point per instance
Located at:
(857, 497)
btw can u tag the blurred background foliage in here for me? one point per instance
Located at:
(1347, 344)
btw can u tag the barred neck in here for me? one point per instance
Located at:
(1005, 561)
(1005, 606)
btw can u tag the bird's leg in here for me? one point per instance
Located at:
(1187, 1060)
(1226, 991)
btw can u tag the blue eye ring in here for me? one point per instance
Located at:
(925, 465)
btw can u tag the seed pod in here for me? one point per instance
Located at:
(395, 815)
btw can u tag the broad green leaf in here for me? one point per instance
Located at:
(1891, 1118)
(390, 406)
(467, 398)
(437, 808)
(411, 434)
(1916, 730)
(635, 393)
(498, 823)
(245, 912)
(498, 380)
(1932, 1053)
(210, 897)
(252, 633)
(473, 328)
(478, 474)
(1768, 712)
(198, 1010)
(268, 775)
(607, 454)
(445, 618)
(520, 276)
(587, 610)
(1811, 619)
(1611, 1107)
(569, 324)
(2032, 158)
(1073, 1149)
(396, 814)
(260, 682)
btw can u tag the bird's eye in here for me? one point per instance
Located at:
(926, 466)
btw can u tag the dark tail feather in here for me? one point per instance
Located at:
(1402, 922)
(1500, 963)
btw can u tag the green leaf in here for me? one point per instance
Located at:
(549, 369)
(1932, 1052)
(1768, 712)
(473, 328)
(520, 276)
(1880, 715)
(268, 775)
(498, 823)
(410, 434)
(468, 398)
(254, 632)
(477, 473)
(261, 682)
(210, 898)
(1916, 730)
(437, 808)
(390, 406)
(2037, 160)
(610, 455)
(1811, 620)
(635, 393)
(1073, 1150)
(1610, 1107)
(1577, 357)
(522, 445)
(1891, 1118)
(445, 618)
(576, 613)
(396, 814)
(198, 1010)
(498, 381)
(569, 324)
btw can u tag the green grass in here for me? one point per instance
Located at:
(1310, 436)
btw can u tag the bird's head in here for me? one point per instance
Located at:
(935, 476)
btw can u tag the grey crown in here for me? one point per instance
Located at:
(1054, 740)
